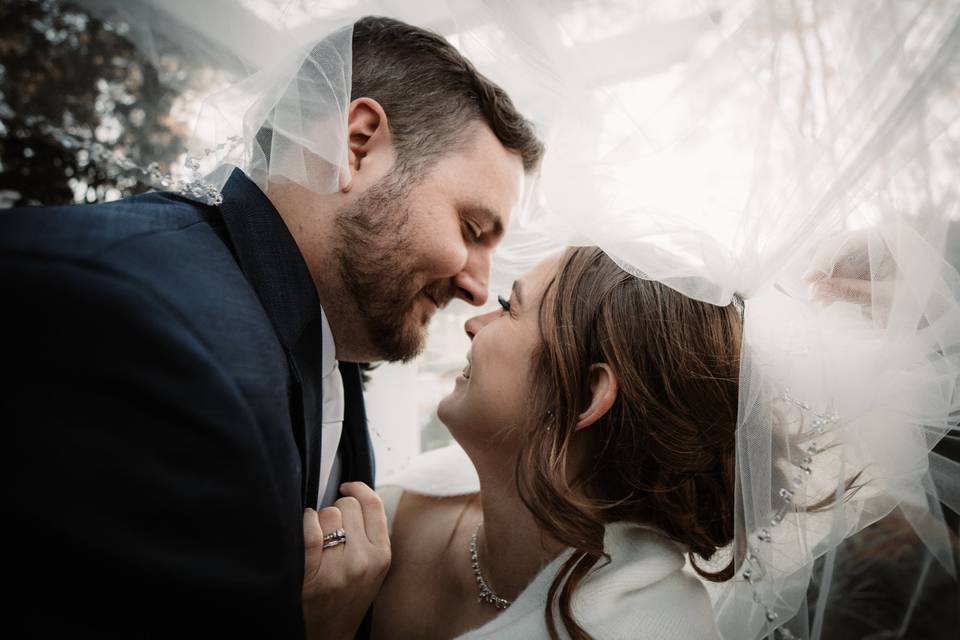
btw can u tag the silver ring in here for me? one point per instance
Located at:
(339, 536)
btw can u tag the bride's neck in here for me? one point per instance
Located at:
(511, 545)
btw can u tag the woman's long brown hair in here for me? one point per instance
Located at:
(663, 455)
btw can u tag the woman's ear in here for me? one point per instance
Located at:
(603, 392)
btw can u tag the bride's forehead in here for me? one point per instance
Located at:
(540, 273)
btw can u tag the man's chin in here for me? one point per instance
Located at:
(410, 344)
(417, 341)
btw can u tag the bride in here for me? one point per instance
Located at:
(603, 441)
(599, 412)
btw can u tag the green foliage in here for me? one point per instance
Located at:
(59, 66)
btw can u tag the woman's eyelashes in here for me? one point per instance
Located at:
(504, 303)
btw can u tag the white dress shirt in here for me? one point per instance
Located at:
(332, 426)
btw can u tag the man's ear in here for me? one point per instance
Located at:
(603, 392)
(367, 130)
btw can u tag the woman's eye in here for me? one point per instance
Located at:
(504, 303)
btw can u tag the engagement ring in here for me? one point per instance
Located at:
(339, 536)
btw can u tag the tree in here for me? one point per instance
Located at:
(62, 70)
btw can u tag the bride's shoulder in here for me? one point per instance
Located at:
(434, 489)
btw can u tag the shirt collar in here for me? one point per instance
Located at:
(329, 363)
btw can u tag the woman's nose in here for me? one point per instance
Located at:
(474, 324)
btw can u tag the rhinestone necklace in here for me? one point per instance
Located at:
(486, 594)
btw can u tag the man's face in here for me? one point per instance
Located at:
(409, 246)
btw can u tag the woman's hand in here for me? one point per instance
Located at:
(855, 267)
(340, 583)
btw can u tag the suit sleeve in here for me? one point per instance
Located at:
(142, 502)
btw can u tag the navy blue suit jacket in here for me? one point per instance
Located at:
(163, 395)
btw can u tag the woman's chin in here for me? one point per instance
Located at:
(450, 408)
(445, 408)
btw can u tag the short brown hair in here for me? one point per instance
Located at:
(431, 94)
(664, 454)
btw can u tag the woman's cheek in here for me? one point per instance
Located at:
(507, 395)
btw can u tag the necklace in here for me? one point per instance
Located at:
(486, 593)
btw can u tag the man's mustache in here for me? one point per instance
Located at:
(441, 293)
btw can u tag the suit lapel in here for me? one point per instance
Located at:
(274, 266)
(305, 359)
(355, 446)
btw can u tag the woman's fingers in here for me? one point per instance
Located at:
(312, 550)
(312, 531)
(352, 519)
(339, 592)
(330, 519)
(374, 517)
(845, 289)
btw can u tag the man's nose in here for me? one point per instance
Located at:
(471, 282)
(472, 326)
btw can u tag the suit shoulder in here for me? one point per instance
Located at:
(159, 244)
(84, 231)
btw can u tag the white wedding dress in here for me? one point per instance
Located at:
(644, 592)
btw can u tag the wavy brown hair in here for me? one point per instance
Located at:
(431, 94)
(663, 455)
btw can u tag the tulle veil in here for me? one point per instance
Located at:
(724, 148)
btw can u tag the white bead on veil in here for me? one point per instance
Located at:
(769, 146)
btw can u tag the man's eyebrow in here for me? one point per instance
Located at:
(488, 214)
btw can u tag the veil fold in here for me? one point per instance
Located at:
(804, 157)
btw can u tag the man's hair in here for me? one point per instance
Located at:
(432, 94)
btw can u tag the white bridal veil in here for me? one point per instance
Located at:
(804, 155)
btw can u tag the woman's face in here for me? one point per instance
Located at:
(494, 390)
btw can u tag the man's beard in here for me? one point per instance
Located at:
(377, 262)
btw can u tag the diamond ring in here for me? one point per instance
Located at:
(339, 536)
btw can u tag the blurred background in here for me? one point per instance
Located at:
(80, 105)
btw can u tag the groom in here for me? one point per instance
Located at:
(182, 378)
